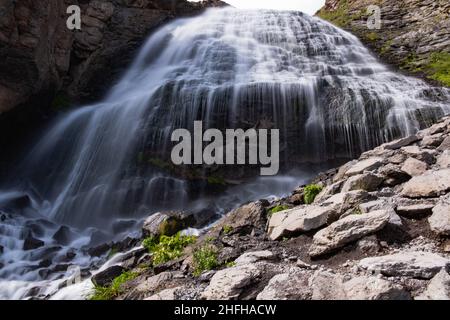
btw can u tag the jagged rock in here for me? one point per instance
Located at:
(414, 167)
(99, 250)
(255, 256)
(415, 211)
(153, 284)
(364, 165)
(166, 223)
(374, 206)
(432, 141)
(228, 284)
(421, 265)
(445, 145)
(32, 243)
(438, 288)
(298, 220)
(328, 191)
(373, 288)
(366, 181)
(348, 230)
(344, 201)
(287, 286)
(105, 278)
(327, 286)
(397, 158)
(393, 175)
(443, 161)
(403, 142)
(440, 220)
(430, 184)
(369, 245)
(419, 154)
(165, 295)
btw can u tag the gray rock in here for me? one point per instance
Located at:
(416, 152)
(440, 220)
(364, 165)
(255, 256)
(430, 184)
(327, 286)
(373, 288)
(421, 265)
(165, 295)
(228, 284)
(298, 220)
(32, 243)
(414, 167)
(167, 223)
(403, 142)
(445, 145)
(348, 230)
(443, 161)
(438, 288)
(287, 286)
(369, 245)
(366, 181)
(415, 211)
(432, 141)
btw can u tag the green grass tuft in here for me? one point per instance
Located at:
(114, 290)
(165, 249)
(227, 229)
(277, 209)
(439, 68)
(311, 192)
(205, 259)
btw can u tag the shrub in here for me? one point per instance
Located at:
(114, 290)
(311, 192)
(205, 258)
(166, 248)
(227, 229)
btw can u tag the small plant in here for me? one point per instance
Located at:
(114, 290)
(357, 211)
(227, 229)
(277, 209)
(166, 248)
(230, 264)
(205, 258)
(311, 192)
(439, 67)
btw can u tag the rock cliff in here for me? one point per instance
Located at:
(414, 34)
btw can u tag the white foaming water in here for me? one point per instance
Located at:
(319, 85)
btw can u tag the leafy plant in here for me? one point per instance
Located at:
(114, 290)
(166, 248)
(311, 192)
(277, 209)
(205, 258)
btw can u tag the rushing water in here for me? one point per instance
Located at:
(100, 168)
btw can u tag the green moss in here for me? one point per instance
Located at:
(439, 68)
(372, 36)
(114, 290)
(311, 192)
(230, 264)
(227, 229)
(341, 16)
(205, 259)
(277, 209)
(167, 248)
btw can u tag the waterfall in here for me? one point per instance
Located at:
(328, 95)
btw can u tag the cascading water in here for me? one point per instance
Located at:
(319, 85)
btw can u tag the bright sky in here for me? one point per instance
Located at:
(307, 6)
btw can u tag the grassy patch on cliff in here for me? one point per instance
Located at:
(277, 209)
(205, 259)
(311, 192)
(439, 68)
(165, 249)
(114, 290)
(341, 17)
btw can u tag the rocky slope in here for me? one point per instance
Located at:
(379, 229)
(414, 34)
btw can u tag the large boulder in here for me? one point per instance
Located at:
(440, 220)
(414, 167)
(364, 165)
(402, 142)
(422, 265)
(373, 288)
(287, 286)
(298, 220)
(443, 161)
(430, 184)
(167, 223)
(228, 284)
(347, 230)
(438, 288)
(366, 181)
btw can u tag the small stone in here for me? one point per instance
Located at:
(106, 277)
